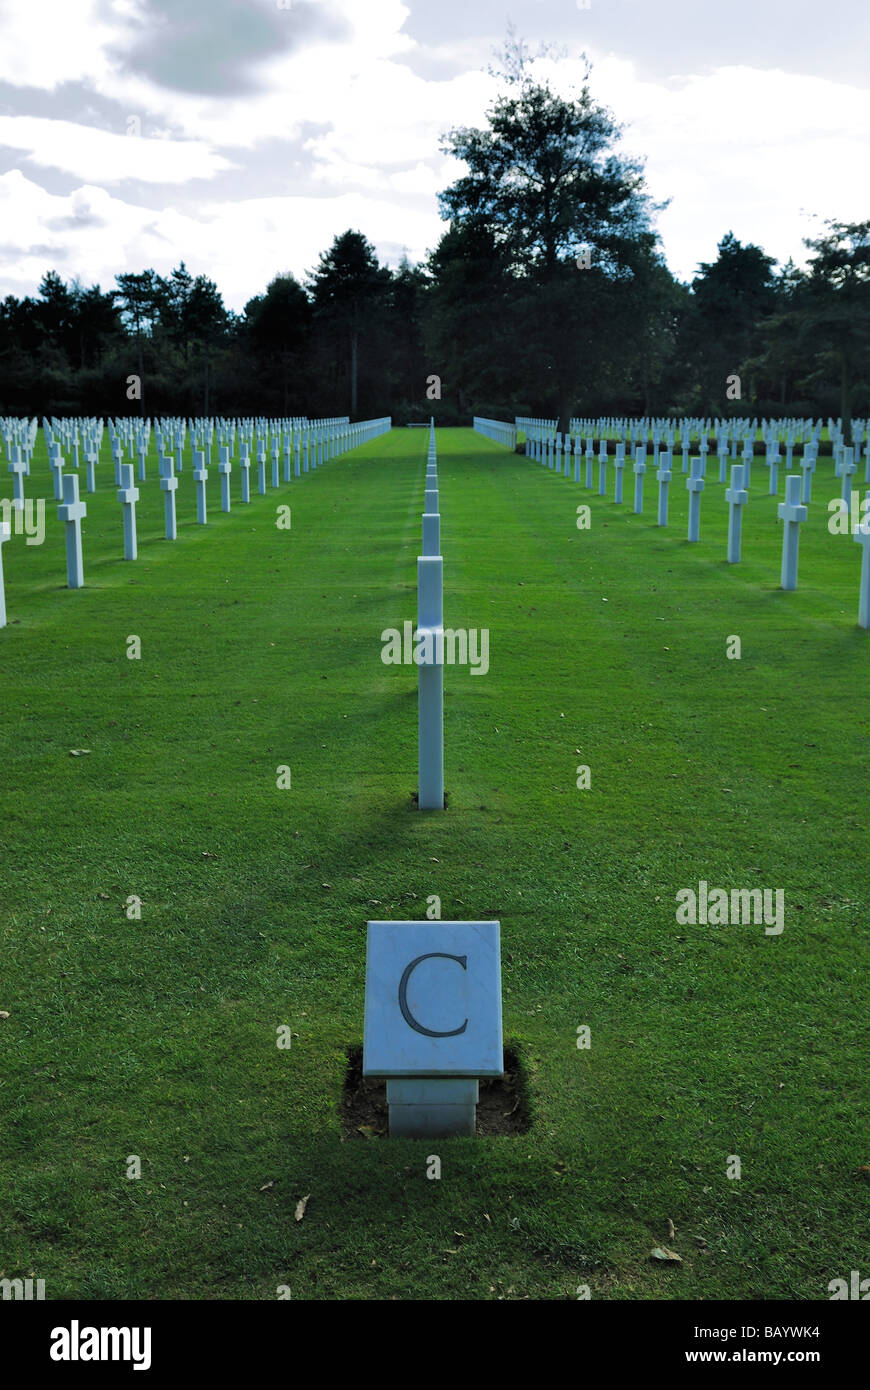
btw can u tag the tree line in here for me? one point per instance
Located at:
(547, 294)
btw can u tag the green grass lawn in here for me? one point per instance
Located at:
(261, 648)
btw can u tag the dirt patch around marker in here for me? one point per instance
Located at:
(503, 1108)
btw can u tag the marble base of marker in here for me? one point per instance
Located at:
(432, 1107)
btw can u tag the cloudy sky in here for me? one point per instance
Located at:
(242, 135)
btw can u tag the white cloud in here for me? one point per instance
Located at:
(275, 233)
(101, 155)
(741, 149)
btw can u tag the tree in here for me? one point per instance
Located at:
(730, 298)
(347, 288)
(835, 304)
(277, 325)
(545, 184)
(141, 297)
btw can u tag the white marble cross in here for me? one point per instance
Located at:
(792, 512)
(200, 478)
(72, 512)
(736, 496)
(5, 533)
(169, 484)
(695, 484)
(224, 467)
(663, 473)
(17, 467)
(128, 496)
(861, 534)
(639, 470)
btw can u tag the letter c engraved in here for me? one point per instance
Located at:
(403, 995)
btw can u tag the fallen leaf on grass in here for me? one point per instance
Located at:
(207, 854)
(368, 1131)
(661, 1252)
(300, 1207)
(267, 1185)
(672, 1230)
(78, 752)
(4, 1013)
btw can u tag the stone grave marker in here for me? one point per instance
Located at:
(736, 497)
(200, 478)
(695, 485)
(861, 535)
(224, 468)
(5, 533)
(792, 512)
(639, 470)
(18, 468)
(72, 512)
(169, 486)
(663, 474)
(128, 496)
(433, 1024)
(619, 465)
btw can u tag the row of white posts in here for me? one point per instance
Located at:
(546, 448)
(72, 510)
(498, 430)
(430, 627)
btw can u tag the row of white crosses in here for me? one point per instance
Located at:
(498, 430)
(430, 624)
(342, 437)
(547, 448)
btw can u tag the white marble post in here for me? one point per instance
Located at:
(639, 470)
(261, 469)
(808, 467)
(736, 496)
(71, 511)
(695, 485)
(430, 698)
(224, 467)
(128, 496)
(861, 534)
(619, 465)
(773, 463)
(847, 468)
(5, 533)
(245, 466)
(200, 478)
(18, 468)
(792, 512)
(663, 473)
(56, 462)
(431, 533)
(169, 485)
